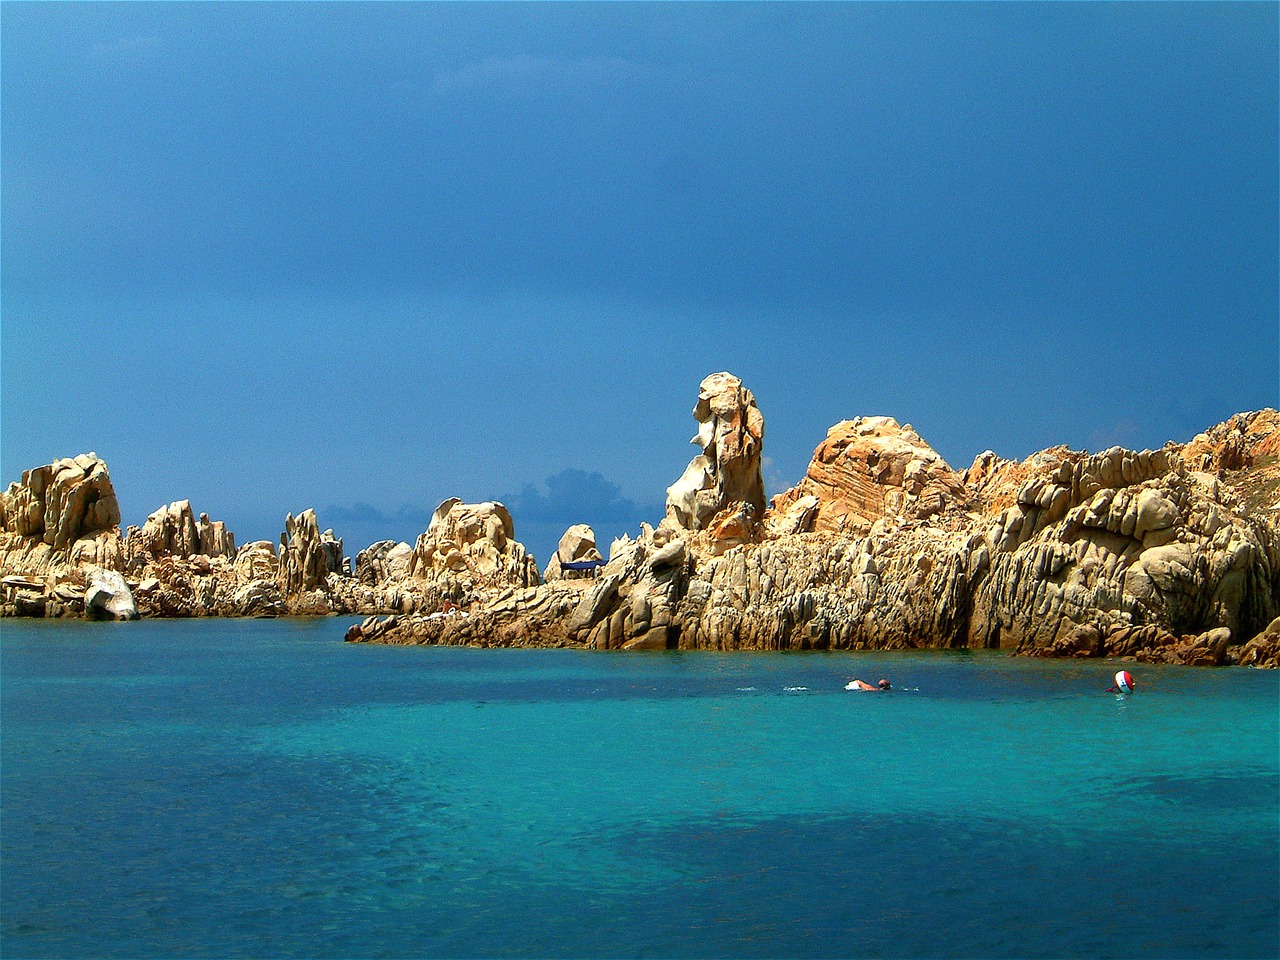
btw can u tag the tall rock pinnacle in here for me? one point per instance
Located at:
(727, 472)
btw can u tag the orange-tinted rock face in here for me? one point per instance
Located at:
(1236, 443)
(994, 481)
(870, 468)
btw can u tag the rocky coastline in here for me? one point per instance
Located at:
(1169, 555)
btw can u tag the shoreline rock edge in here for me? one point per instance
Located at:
(1171, 555)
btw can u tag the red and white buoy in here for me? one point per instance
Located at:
(1124, 681)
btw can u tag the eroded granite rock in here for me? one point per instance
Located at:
(174, 531)
(474, 545)
(578, 544)
(60, 515)
(722, 485)
(107, 596)
(1138, 554)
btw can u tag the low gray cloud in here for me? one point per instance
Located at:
(568, 497)
(542, 512)
(361, 524)
(576, 496)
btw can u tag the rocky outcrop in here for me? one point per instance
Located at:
(308, 558)
(1125, 549)
(578, 545)
(473, 545)
(467, 557)
(58, 524)
(1169, 555)
(53, 538)
(1119, 553)
(199, 586)
(174, 531)
(1123, 539)
(1133, 554)
(721, 490)
(510, 617)
(62, 501)
(869, 469)
(60, 515)
(632, 605)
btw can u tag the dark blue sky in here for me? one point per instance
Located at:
(369, 256)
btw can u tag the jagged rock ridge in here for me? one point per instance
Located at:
(883, 545)
(1170, 554)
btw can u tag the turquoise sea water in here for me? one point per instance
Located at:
(260, 789)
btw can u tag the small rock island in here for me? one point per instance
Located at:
(1169, 555)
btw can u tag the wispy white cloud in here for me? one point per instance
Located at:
(526, 74)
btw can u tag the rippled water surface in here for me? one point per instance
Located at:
(260, 789)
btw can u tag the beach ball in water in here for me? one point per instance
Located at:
(1124, 681)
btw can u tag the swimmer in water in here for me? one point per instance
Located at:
(863, 685)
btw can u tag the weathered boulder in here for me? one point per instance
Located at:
(257, 561)
(726, 475)
(107, 596)
(384, 560)
(578, 544)
(473, 545)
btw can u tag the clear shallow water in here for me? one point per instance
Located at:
(260, 789)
